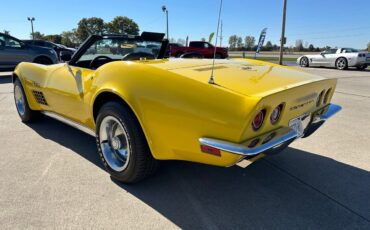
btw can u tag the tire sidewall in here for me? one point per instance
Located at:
(301, 64)
(110, 109)
(27, 111)
(341, 68)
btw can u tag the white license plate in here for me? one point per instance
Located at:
(300, 123)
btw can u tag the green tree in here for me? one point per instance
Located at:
(203, 39)
(240, 42)
(249, 42)
(299, 45)
(211, 37)
(269, 46)
(368, 46)
(122, 25)
(311, 48)
(56, 38)
(69, 38)
(6, 32)
(233, 40)
(89, 26)
(37, 35)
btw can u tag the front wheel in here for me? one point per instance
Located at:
(122, 145)
(24, 111)
(304, 62)
(341, 63)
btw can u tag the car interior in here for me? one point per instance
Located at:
(106, 50)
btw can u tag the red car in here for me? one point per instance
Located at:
(203, 48)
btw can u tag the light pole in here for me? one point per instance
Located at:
(282, 39)
(164, 9)
(31, 19)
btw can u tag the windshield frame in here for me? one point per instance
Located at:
(145, 36)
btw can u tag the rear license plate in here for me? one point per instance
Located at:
(300, 123)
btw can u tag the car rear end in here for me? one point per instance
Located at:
(362, 58)
(280, 118)
(280, 104)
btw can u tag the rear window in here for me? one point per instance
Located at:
(349, 50)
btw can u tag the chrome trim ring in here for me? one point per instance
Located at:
(114, 143)
(69, 122)
(19, 100)
(341, 63)
(285, 135)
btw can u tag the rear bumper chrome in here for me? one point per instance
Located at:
(280, 136)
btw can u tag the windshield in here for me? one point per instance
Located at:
(117, 48)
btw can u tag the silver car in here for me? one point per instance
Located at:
(340, 58)
(14, 51)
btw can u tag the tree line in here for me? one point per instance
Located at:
(89, 26)
(249, 43)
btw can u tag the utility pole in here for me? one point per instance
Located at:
(31, 19)
(164, 9)
(221, 34)
(282, 39)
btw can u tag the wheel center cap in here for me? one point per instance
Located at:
(116, 143)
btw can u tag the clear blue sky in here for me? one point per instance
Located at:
(321, 22)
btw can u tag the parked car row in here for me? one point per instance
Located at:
(57, 47)
(13, 51)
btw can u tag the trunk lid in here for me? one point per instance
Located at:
(251, 78)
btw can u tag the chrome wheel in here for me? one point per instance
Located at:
(304, 62)
(19, 100)
(114, 143)
(341, 63)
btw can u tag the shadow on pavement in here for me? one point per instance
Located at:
(292, 190)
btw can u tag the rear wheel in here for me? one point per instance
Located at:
(122, 145)
(304, 62)
(24, 111)
(218, 56)
(361, 67)
(43, 60)
(341, 63)
(179, 54)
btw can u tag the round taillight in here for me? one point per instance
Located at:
(319, 98)
(254, 143)
(258, 120)
(275, 114)
(327, 95)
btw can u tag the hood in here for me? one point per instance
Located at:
(246, 76)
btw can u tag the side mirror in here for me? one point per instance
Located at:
(65, 56)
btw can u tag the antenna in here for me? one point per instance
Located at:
(221, 37)
(211, 78)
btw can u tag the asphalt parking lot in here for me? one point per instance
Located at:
(51, 177)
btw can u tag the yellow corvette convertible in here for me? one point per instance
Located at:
(143, 107)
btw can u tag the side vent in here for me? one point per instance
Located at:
(39, 96)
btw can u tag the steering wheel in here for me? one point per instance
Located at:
(98, 60)
(134, 56)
